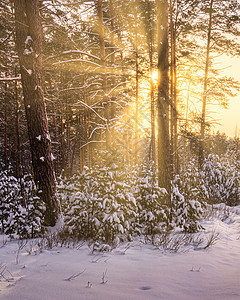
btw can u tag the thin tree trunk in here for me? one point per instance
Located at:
(68, 134)
(17, 134)
(153, 141)
(62, 147)
(185, 158)
(137, 89)
(112, 38)
(29, 48)
(172, 145)
(205, 87)
(103, 63)
(87, 122)
(175, 103)
(164, 178)
(81, 150)
(6, 127)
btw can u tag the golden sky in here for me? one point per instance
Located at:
(230, 118)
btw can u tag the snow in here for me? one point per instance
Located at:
(134, 270)
(39, 137)
(27, 52)
(48, 137)
(28, 42)
(37, 87)
(29, 71)
(10, 78)
(28, 39)
(42, 158)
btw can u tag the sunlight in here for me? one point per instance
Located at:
(155, 76)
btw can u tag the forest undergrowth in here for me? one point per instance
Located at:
(106, 206)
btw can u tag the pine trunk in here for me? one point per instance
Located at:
(6, 127)
(163, 102)
(205, 87)
(62, 146)
(137, 91)
(17, 135)
(29, 48)
(103, 63)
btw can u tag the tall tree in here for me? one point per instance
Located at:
(29, 48)
(204, 103)
(173, 92)
(164, 178)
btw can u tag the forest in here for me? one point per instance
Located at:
(106, 123)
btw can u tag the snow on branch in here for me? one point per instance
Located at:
(73, 52)
(79, 101)
(10, 78)
(77, 60)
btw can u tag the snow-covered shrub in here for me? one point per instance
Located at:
(20, 207)
(98, 205)
(153, 214)
(108, 204)
(186, 208)
(220, 181)
(9, 191)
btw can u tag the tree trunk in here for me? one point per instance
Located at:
(175, 101)
(81, 150)
(6, 127)
(17, 134)
(29, 48)
(112, 40)
(62, 146)
(137, 91)
(205, 87)
(163, 102)
(103, 63)
(87, 124)
(153, 142)
(173, 92)
(67, 110)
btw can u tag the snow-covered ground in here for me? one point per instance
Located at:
(131, 271)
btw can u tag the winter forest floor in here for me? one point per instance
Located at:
(133, 270)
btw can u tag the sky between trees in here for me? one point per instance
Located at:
(229, 119)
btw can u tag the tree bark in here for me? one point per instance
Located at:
(205, 87)
(6, 127)
(173, 93)
(62, 146)
(153, 141)
(67, 111)
(17, 145)
(103, 64)
(137, 91)
(164, 178)
(29, 48)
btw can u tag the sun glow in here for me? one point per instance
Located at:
(155, 76)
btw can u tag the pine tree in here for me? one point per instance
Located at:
(29, 48)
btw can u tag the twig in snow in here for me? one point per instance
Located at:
(89, 285)
(80, 245)
(21, 245)
(192, 270)
(74, 276)
(4, 242)
(97, 259)
(212, 239)
(104, 277)
(3, 271)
